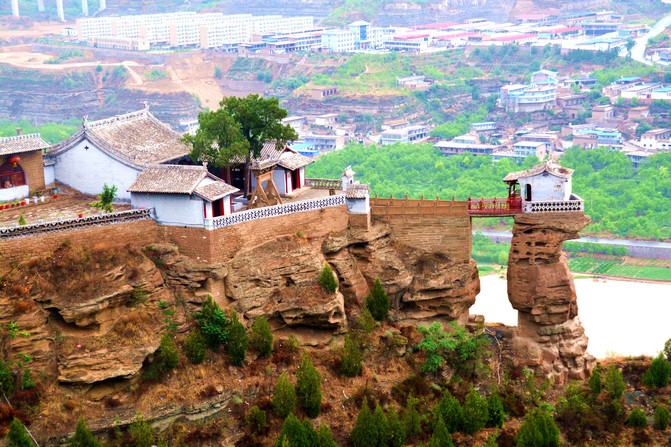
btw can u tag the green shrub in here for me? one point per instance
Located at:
(213, 323)
(238, 340)
(18, 435)
(364, 433)
(256, 419)
(141, 432)
(637, 418)
(380, 425)
(138, 296)
(538, 430)
(366, 320)
(83, 436)
(350, 365)
(6, 379)
(309, 387)
(667, 349)
(495, 411)
(450, 412)
(460, 348)
(262, 337)
(327, 279)
(22, 220)
(662, 417)
(166, 359)
(441, 437)
(310, 433)
(595, 384)
(657, 376)
(377, 301)
(614, 383)
(475, 413)
(195, 347)
(27, 381)
(284, 397)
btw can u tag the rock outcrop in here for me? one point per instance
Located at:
(549, 337)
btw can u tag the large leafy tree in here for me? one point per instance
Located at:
(238, 130)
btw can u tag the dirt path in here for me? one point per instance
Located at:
(25, 59)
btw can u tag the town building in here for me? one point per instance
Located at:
(181, 195)
(540, 94)
(21, 166)
(118, 43)
(591, 137)
(656, 139)
(114, 151)
(325, 143)
(524, 149)
(639, 157)
(603, 112)
(412, 82)
(452, 147)
(409, 134)
(338, 41)
(638, 113)
(319, 93)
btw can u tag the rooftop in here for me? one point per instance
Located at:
(180, 179)
(22, 143)
(137, 138)
(549, 166)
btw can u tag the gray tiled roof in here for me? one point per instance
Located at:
(357, 191)
(286, 158)
(22, 143)
(181, 179)
(548, 166)
(136, 138)
(215, 190)
(292, 160)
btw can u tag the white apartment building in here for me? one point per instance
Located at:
(338, 40)
(190, 29)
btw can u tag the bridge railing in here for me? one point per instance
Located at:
(575, 203)
(505, 205)
(416, 207)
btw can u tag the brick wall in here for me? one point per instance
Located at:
(222, 244)
(448, 235)
(141, 233)
(31, 162)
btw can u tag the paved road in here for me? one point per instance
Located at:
(638, 50)
(660, 250)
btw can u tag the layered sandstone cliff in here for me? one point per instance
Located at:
(550, 338)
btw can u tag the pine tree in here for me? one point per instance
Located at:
(292, 433)
(327, 279)
(395, 436)
(614, 383)
(595, 384)
(6, 379)
(538, 430)
(195, 346)
(412, 422)
(213, 323)
(380, 426)
(167, 358)
(284, 398)
(83, 436)
(309, 387)
(449, 410)
(18, 435)
(364, 433)
(238, 341)
(350, 365)
(377, 301)
(310, 433)
(440, 437)
(141, 431)
(325, 436)
(657, 376)
(496, 413)
(262, 337)
(475, 412)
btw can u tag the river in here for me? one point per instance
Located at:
(619, 317)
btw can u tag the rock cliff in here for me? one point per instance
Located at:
(550, 338)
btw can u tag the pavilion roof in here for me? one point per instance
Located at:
(549, 166)
(22, 143)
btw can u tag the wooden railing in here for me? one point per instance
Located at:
(507, 205)
(323, 183)
(416, 207)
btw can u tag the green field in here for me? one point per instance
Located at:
(615, 267)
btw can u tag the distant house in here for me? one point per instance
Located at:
(325, 143)
(603, 112)
(637, 113)
(448, 148)
(412, 82)
(181, 195)
(407, 134)
(524, 149)
(326, 120)
(21, 165)
(320, 93)
(114, 151)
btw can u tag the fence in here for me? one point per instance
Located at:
(275, 210)
(323, 183)
(495, 206)
(72, 224)
(414, 207)
(575, 203)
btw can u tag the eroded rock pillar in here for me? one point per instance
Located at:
(549, 338)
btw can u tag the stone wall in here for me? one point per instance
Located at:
(142, 233)
(222, 244)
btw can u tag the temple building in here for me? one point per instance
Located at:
(21, 166)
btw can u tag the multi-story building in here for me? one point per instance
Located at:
(539, 95)
(118, 43)
(524, 149)
(448, 148)
(338, 40)
(325, 143)
(407, 134)
(190, 29)
(590, 137)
